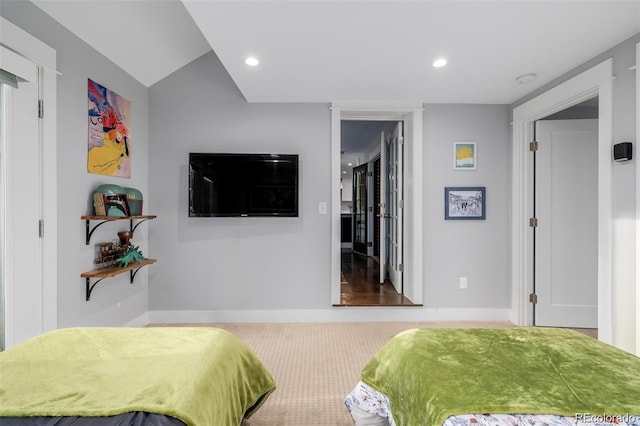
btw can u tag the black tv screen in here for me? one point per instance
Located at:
(243, 185)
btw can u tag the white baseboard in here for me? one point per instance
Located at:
(337, 314)
(140, 321)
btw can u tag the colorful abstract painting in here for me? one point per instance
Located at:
(109, 149)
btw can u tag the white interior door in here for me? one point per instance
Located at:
(29, 185)
(22, 166)
(566, 238)
(22, 244)
(394, 210)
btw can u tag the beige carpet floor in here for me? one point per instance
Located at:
(315, 365)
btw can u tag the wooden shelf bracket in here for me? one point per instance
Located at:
(105, 219)
(112, 271)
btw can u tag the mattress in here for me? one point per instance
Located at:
(195, 376)
(370, 407)
(498, 377)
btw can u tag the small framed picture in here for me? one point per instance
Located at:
(465, 156)
(465, 203)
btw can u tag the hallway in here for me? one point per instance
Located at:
(359, 283)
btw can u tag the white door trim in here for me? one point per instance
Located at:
(412, 233)
(637, 200)
(34, 50)
(597, 81)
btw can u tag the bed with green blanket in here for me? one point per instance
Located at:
(444, 376)
(195, 376)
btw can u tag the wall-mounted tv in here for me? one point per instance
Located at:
(222, 184)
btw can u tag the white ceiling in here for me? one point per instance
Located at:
(356, 50)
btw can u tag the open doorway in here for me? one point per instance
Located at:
(411, 116)
(371, 189)
(593, 82)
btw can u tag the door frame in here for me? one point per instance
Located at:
(637, 71)
(596, 81)
(411, 115)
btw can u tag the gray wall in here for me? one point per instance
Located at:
(478, 250)
(235, 263)
(114, 301)
(247, 264)
(277, 264)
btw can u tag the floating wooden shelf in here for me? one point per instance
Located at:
(105, 219)
(112, 271)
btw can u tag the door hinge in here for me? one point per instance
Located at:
(533, 146)
(533, 222)
(533, 298)
(40, 108)
(401, 204)
(370, 208)
(41, 228)
(401, 267)
(369, 174)
(369, 243)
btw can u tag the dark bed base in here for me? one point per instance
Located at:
(138, 418)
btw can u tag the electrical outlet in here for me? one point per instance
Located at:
(463, 283)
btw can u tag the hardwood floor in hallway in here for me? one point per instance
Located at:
(359, 283)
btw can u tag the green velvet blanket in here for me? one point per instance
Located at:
(203, 376)
(431, 374)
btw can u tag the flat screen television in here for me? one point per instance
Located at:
(222, 184)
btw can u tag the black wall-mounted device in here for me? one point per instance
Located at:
(622, 151)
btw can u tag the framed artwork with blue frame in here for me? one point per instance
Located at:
(465, 203)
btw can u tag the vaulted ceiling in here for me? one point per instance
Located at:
(356, 50)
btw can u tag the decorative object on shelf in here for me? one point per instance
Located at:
(465, 203)
(125, 238)
(134, 199)
(109, 145)
(105, 249)
(110, 200)
(131, 254)
(108, 252)
(111, 255)
(464, 156)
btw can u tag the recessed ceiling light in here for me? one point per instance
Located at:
(526, 78)
(439, 63)
(251, 61)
